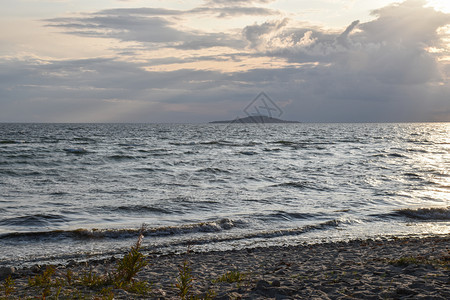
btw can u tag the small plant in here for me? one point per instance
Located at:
(211, 294)
(133, 262)
(409, 260)
(8, 286)
(184, 279)
(231, 277)
(92, 280)
(106, 294)
(69, 276)
(442, 262)
(139, 287)
(58, 292)
(43, 280)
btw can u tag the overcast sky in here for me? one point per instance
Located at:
(198, 61)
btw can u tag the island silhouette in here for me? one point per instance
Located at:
(254, 119)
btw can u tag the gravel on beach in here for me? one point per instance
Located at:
(399, 268)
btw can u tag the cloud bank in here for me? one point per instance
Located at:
(393, 68)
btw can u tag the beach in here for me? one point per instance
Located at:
(398, 268)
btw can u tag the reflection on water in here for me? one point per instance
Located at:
(86, 188)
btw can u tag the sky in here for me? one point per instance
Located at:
(198, 61)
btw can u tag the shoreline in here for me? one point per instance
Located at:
(398, 268)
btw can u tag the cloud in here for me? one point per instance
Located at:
(123, 27)
(238, 2)
(343, 37)
(156, 25)
(142, 11)
(234, 11)
(380, 70)
(256, 34)
(408, 24)
(390, 49)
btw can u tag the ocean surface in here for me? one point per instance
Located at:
(80, 191)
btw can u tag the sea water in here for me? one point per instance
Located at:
(77, 191)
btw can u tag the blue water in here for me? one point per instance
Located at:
(83, 190)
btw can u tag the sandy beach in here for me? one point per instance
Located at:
(402, 268)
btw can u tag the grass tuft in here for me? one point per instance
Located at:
(68, 283)
(133, 262)
(69, 276)
(91, 279)
(443, 261)
(231, 277)
(184, 281)
(106, 294)
(8, 287)
(43, 280)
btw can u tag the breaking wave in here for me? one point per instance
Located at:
(425, 213)
(268, 234)
(203, 227)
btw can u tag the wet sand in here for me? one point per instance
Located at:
(403, 268)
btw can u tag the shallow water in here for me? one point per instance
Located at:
(78, 190)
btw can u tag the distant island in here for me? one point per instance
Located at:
(254, 119)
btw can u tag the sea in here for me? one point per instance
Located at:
(85, 191)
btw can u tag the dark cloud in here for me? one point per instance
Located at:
(153, 25)
(142, 11)
(381, 70)
(220, 11)
(123, 27)
(234, 11)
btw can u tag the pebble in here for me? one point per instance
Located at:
(5, 272)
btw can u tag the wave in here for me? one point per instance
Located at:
(156, 152)
(264, 235)
(394, 154)
(137, 209)
(248, 152)
(425, 213)
(289, 216)
(82, 233)
(130, 145)
(33, 220)
(121, 157)
(76, 150)
(218, 143)
(282, 142)
(397, 155)
(85, 140)
(301, 185)
(303, 144)
(272, 150)
(24, 156)
(215, 143)
(21, 173)
(212, 170)
(417, 150)
(149, 169)
(8, 142)
(412, 175)
(183, 144)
